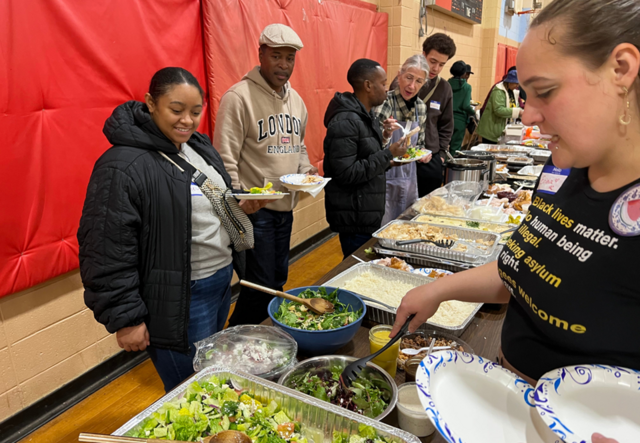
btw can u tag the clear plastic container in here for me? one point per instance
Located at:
(411, 368)
(378, 338)
(412, 416)
(265, 351)
(489, 213)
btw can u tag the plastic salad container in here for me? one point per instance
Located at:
(264, 351)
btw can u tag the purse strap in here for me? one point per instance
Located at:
(241, 236)
(198, 176)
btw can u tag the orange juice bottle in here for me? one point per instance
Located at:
(388, 360)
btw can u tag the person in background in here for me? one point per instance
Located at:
(260, 130)
(438, 49)
(403, 106)
(486, 100)
(576, 53)
(502, 105)
(148, 281)
(354, 157)
(468, 74)
(462, 108)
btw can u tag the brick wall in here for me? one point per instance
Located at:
(47, 338)
(476, 44)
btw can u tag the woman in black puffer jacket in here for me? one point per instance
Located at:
(155, 259)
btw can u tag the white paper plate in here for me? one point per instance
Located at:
(259, 196)
(470, 399)
(427, 271)
(297, 179)
(577, 401)
(411, 160)
(531, 170)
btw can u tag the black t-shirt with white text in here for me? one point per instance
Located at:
(575, 283)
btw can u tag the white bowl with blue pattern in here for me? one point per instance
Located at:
(471, 399)
(577, 401)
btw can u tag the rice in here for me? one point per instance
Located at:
(451, 313)
(386, 291)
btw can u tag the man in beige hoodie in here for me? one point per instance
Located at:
(259, 132)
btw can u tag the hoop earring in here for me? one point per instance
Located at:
(625, 119)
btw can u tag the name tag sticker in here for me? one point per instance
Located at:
(195, 190)
(434, 105)
(552, 179)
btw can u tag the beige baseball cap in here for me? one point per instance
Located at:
(278, 35)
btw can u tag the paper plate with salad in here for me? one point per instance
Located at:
(266, 193)
(412, 155)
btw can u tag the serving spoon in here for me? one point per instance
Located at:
(318, 305)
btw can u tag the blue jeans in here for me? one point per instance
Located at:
(267, 264)
(350, 243)
(210, 302)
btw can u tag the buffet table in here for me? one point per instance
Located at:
(482, 334)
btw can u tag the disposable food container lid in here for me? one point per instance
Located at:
(265, 351)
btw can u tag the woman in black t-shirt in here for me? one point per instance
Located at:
(570, 273)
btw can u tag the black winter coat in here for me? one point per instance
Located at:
(356, 162)
(135, 230)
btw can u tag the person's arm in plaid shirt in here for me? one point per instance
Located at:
(383, 114)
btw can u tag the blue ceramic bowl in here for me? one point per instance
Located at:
(312, 343)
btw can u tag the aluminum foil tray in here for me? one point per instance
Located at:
(383, 315)
(540, 156)
(506, 149)
(498, 225)
(319, 419)
(425, 262)
(418, 261)
(474, 254)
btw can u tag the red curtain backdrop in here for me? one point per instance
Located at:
(334, 33)
(506, 58)
(64, 66)
(512, 55)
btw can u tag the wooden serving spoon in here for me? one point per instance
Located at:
(220, 437)
(317, 305)
(229, 437)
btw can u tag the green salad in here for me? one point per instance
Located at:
(411, 154)
(299, 316)
(366, 434)
(363, 397)
(212, 406)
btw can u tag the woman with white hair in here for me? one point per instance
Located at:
(403, 106)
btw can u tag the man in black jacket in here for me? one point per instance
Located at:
(354, 157)
(438, 49)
